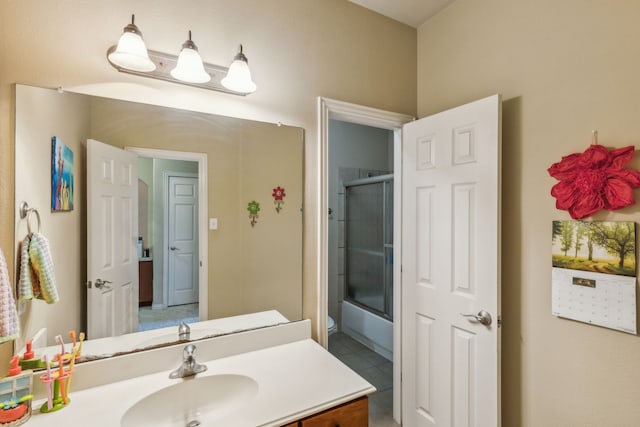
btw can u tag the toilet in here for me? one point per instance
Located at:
(331, 325)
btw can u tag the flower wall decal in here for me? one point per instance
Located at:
(278, 196)
(253, 207)
(594, 180)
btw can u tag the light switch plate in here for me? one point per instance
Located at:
(213, 223)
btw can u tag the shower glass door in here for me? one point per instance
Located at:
(369, 244)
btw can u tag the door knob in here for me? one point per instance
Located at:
(173, 248)
(483, 317)
(102, 284)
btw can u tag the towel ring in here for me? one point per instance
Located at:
(25, 212)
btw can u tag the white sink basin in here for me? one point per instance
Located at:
(192, 402)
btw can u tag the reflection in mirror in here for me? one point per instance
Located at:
(253, 252)
(154, 338)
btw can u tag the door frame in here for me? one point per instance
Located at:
(353, 113)
(203, 241)
(165, 225)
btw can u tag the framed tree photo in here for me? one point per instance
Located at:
(593, 273)
(607, 247)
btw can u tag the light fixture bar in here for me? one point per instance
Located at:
(166, 62)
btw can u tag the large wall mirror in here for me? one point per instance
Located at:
(253, 257)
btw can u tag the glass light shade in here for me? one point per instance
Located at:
(131, 53)
(238, 78)
(189, 67)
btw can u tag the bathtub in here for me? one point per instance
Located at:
(369, 329)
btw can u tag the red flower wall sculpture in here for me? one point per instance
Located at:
(594, 180)
(278, 197)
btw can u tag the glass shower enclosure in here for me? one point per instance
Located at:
(369, 244)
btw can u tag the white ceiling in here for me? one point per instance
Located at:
(410, 12)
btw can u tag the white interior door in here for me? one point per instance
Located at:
(182, 240)
(451, 268)
(112, 235)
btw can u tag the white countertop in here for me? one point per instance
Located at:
(295, 380)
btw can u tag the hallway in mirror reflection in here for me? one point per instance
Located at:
(170, 316)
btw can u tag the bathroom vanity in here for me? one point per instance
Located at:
(275, 376)
(354, 413)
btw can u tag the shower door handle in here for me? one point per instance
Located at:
(483, 317)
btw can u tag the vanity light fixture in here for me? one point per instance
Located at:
(131, 52)
(187, 68)
(190, 68)
(239, 76)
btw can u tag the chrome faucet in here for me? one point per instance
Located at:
(189, 365)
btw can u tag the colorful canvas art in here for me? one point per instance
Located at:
(61, 176)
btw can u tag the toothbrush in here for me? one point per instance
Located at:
(59, 339)
(67, 387)
(60, 379)
(80, 346)
(48, 383)
(72, 335)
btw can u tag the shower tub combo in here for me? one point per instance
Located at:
(367, 308)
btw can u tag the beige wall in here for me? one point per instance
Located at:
(269, 279)
(298, 50)
(68, 119)
(564, 68)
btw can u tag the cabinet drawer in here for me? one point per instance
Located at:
(352, 414)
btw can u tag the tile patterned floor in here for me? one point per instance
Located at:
(372, 367)
(170, 316)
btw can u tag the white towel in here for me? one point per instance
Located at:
(9, 324)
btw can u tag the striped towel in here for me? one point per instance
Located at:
(26, 275)
(9, 324)
(37, 278)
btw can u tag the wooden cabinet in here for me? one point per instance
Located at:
(351, 414)
(145, 279)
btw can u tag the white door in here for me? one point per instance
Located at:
(182, 240)
(451, 268)
(112, 236)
